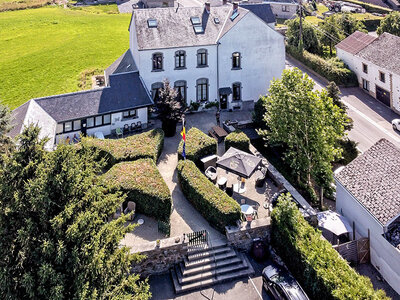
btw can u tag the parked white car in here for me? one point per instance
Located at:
(396, 124)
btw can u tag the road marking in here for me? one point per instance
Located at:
(252, 282)
(397, 139)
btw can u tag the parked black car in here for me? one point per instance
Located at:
(281, 284)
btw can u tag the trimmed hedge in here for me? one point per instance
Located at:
(238, 140)
(145, 145)
(141, 181)
(320, 269)
(333, 69)
(198, 145)
(371, 8)
(216, 206)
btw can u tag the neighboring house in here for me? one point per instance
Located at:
(368, 194)
(376, 61)
(62, 117)
(157, 3)
(282, 9)
(225, 53)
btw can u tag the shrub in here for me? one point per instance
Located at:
(198, 145)
(238, 140)
(320, 269)
(215, 205)
(141, 181)
(350, 151)
(258, 113)
(332, 69)
(145, 145)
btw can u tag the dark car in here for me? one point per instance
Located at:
(281, 284)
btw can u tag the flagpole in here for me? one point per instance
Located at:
(184, 137)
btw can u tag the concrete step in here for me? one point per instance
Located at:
(207, 260)
(208, 253)
(186, 272)
(210, 274)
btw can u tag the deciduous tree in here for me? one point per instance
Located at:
(349, 24)
(390, 24)
(55, 238)
(308, 123)
(331, 33)
(311, 41)
(6, 143)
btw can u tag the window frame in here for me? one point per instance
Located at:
(382, 75)
(365, 68)
(159, 65)
(183, 85)
(202, 54)
(239, 86)
(285, 8)
(180, 57)
(236, 58)
(130, 114)
(365, 84)
(202, 86)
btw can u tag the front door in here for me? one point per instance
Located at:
(83, 127)
(223, 101)
(383, 95)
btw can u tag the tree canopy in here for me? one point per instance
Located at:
(311, 40)
(307, 123)
(56, 240)
(349, 24)
(6, 143)
(331, 32)
(390, 24)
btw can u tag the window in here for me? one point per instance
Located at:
(236, 91)
(365, 84)
(195, 20)
(77, 125)
(98, 121)
(157, 62)
(236, 60)
(59, 128)
(155, 90)
(180, 87)
(285, 8)
(202, 58)
(180, 59)
(152, 23)
(129, 113)
(67, 126)
(234, 15)
(365, 68)
(382, 76)
(90, 122)
(198, 29)
(202, 89)
(106, 119)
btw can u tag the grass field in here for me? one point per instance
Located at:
(43, 51)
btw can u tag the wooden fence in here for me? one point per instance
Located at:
(356, 251)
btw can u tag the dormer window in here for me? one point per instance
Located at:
(235, 14)
(195, 20)
(152, 23)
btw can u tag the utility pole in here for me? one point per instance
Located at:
(301, 26)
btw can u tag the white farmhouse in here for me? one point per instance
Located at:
(226, 53)
(376, 61)
(368, 194)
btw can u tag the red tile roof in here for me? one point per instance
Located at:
(355, 42)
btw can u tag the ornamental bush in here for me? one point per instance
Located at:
(145, 145)
(332, 69)
(141, 181)
(216, 206)
(238, 140)
(198, 145)
(319, 268)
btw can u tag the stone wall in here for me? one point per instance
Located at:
(159, 259)
(242, 237)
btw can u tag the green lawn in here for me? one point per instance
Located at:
(44, 50)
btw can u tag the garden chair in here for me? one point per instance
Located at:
(133, 127)
(118, 132)
(139, 126)
(126, 129)
(242, 201)
(131, 207)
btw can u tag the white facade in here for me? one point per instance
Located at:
(384, 256)
(373, 77)
(262, 53)
(283, 10)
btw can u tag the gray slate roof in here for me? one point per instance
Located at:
(18, 117)
(261, 10)
(355, 42)
(174, 28)
(126, 91)
(373, 179)
(125, 63)
(384, 52)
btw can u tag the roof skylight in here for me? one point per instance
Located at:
(195, 20)
(152, 23)
(216, 20)
(198, 29)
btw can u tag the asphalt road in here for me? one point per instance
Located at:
(372, 120)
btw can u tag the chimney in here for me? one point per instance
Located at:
(235, 5)
(207, 6)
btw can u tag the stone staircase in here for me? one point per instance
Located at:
(207, 265)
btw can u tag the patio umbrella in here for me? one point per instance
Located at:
(239, 162)
(334, 222)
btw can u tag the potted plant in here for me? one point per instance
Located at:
(170, 107)
(158, 243)
(194, 106)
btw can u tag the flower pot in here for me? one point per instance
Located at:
(169, 127)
